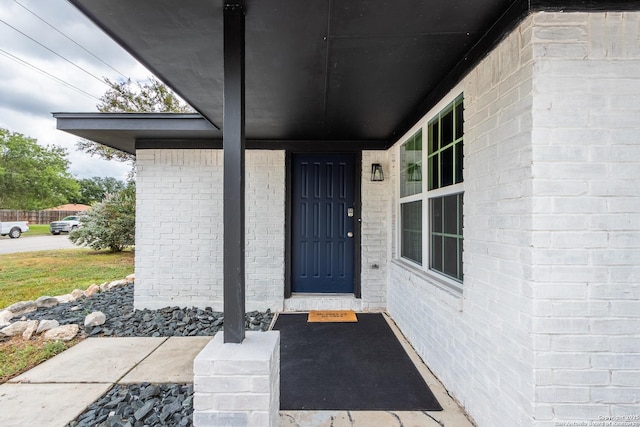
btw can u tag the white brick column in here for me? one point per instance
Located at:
(238, 384)
(586, 218)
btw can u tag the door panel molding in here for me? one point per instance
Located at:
(357, 172)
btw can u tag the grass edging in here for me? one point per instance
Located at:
(29, 275)
(18, 355)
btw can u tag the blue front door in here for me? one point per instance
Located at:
(322, 234)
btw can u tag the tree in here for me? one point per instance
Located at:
(33, 176)
(109, 224)
(95, 189)
(129, 97)
(142, 97)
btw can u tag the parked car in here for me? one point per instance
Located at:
(13, 228)
(65, 225)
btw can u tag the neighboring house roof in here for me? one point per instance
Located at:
(77, 207)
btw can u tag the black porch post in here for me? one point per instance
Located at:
(233, 146)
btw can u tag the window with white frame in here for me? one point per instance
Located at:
(411, 198)
(443, 196)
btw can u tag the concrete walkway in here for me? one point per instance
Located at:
(57, 391)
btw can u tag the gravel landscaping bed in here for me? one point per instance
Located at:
(141, 404)
(123, 321)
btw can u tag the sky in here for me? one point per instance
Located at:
(28, 96)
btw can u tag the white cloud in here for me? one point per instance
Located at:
(28, 97)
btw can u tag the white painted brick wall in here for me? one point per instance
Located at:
(547, 330)
(479, 344)
(586, 152)
(179, 229)
(265, 199)
(376, 209)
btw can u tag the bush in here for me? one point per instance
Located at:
(110, 223)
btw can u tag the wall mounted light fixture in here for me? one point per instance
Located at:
(376, 172)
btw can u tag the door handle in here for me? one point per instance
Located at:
(350, 234)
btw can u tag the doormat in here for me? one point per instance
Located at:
(324, 316)
(357, 366)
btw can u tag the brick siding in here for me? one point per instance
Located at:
(478, 343)
(586, 215)
(547, 329)
(179, 231)
(376, 206)
(179, 253)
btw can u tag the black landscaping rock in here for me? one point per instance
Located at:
(141, 413)
(141, 405)
(124, 321)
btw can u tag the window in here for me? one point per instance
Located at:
(411, 166)
(443, 196)
(444, 157)
(445, 214)
(445, 147)
(411, 194)
(411, 218)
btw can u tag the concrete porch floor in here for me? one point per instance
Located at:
(452, 415)
(57, 391)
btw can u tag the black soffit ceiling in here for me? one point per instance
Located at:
(316, 70)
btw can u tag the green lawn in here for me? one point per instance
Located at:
(37, 230)
(29, 275)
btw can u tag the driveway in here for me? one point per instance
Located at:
(36, 243)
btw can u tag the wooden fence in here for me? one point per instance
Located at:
(34, 217)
